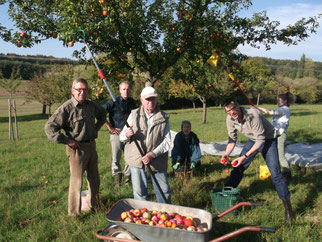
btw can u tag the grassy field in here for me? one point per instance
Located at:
(29, 210)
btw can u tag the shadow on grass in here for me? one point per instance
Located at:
(313, 189)
(18, 189)
(301, 134)
(303, 113)
(22, 118)
(222, 228)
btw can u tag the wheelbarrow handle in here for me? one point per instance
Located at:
(98, 234)
(267, 229)
(241, 204)
(256, 203)
(243, 230)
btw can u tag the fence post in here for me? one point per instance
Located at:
(15, 114)
(11, 136)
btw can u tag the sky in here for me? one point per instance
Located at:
(285, 11)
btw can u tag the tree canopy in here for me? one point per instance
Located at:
(150, 35)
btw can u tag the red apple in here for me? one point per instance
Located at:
(155, 219)
(226, 170)
(143, 210)
(154, 213)
(209, 85)
(234, 164)
(70, 43)
(179, 221)
(171, 215)
(178, 216)
(18, 43)
(22, 34)
(105, 12)
(137, 212)
(47, 181)
(223, 160)
(187, 222)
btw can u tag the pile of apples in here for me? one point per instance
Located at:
(161, 219)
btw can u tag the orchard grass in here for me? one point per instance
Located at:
(36, 210)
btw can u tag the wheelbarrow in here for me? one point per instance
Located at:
(118, 230)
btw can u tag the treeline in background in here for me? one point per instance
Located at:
(48, 80)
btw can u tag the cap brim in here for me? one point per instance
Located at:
(150, 95)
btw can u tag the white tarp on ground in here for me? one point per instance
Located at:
(304, 155)
(299, 154)
(212, 148)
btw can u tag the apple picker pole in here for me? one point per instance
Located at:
(101, 75)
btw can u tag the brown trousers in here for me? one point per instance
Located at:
(81, 160)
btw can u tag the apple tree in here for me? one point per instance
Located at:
(149, 36)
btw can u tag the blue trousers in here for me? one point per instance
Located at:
(270, 155)
(140, 185)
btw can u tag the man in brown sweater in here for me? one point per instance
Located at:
(77, 118)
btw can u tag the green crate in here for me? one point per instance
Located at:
(224, 198)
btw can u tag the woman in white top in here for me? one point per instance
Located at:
(281, 117)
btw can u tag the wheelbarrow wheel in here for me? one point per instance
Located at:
(118, 232)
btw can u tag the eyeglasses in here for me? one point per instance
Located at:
(229, 110)
(81, 89)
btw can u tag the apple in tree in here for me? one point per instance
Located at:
(70, 43)
(22, 34)
(105, 12)
(18, 43)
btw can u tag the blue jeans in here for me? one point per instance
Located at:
(140, 185)
(270, 155)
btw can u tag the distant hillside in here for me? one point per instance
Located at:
(40, 59)
(304, 67)
(29, 66)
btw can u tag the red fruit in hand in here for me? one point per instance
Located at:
(223, 160)
(234, 163)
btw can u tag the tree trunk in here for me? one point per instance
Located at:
(43, 109)
(258, 97)
(193, 104)
(204, 109)
(204, 112)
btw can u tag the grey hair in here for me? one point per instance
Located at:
(81, 80)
